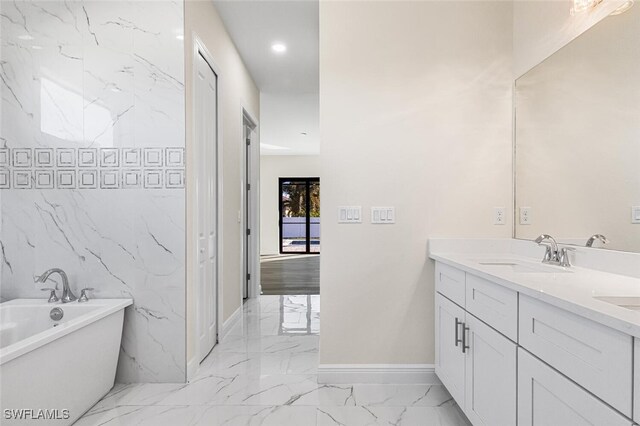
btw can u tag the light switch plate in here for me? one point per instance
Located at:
(525, 216)
(499, 215)
(635, 214)
(383, 215)
(349, 214)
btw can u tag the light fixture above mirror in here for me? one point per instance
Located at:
(580, 6)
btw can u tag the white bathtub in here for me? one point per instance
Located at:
(57, 370)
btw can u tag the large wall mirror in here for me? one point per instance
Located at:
(577, 139)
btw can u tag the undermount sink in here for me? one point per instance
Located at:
(627, 302)
(523, 267)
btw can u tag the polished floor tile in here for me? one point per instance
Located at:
(264, 372)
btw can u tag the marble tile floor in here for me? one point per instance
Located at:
(264, 373)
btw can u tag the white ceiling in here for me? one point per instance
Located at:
(254, 25)
(288, 82)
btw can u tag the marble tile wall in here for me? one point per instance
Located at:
(95, 89)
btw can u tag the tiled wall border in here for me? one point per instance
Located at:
(92, 168)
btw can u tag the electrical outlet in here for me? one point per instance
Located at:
(525, 215)
(499, 215)
(635, 214)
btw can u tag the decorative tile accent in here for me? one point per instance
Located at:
(66, 179)
(22, 157)
(92, 168)
(5, 157)
(109, 179)
(43, 157)
(22, 179)
(44, 179)
(131, 179)
(174, 178)
(109, 157)
(153, 157)
(87, 157)
(65, 157)
(153, 178)
(87, 179)
(175, 157)
(5, 179)
(131, 157)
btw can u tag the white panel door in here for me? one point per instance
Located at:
(490, 388)
(206, 134)
(450, 360)
(547, 398)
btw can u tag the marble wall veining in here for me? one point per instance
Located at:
(104, 77)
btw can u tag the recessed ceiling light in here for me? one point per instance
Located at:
(25, 37)
(278, 47)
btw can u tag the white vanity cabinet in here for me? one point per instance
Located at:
(476, 364)
(511, 359)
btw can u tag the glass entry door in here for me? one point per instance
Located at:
(299, 215)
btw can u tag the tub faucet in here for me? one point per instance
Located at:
(551, 254)
(67, 294)
(595, 237)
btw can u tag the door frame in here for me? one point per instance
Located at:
(254, 288)
(308, 181)
(199, 48)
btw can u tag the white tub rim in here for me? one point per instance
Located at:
(105, 307)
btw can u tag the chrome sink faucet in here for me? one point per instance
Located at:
(551, 254)
(67, 294)
(595, 237)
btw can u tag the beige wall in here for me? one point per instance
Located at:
(542, 27)
(415, 112)
(578, 137)
(273, 167)
(236, 90)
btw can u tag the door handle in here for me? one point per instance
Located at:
(464, 338)
(458, 323)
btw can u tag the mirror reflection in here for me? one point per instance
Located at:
(577, 140)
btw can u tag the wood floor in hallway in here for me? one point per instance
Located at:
(290, 275)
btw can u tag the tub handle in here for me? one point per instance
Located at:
(83, 294)
(53, 298)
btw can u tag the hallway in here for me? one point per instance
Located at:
(289, 275)
(265, 373)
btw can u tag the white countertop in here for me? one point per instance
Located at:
(573, 291)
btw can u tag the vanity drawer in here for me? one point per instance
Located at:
(594, 356)
(450, 283)
(494, 304)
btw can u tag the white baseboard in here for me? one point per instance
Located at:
(230, 323)
(192, 368)
(378, 373)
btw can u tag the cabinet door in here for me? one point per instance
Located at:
(490, 388)
(546, 397)
(450, 363)
(596, 357)
(450, 282)
(636, 380)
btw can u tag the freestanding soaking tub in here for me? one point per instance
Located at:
(53, 371)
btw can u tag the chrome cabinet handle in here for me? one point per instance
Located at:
(464, 338)
(53, 298)
(458, 324)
